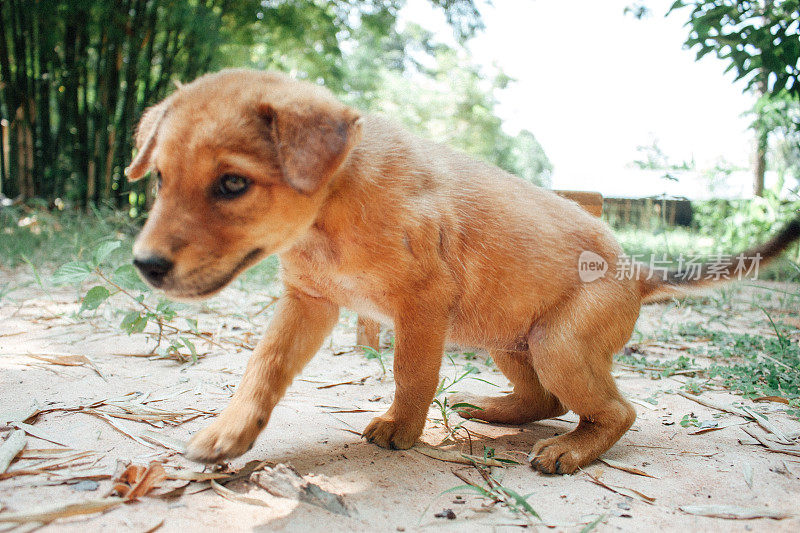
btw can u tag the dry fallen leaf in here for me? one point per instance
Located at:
(625, 491)
(768, 426)
(166, 441)
(747, 472)
(732, 409)
(50, 513)
(351, 382)
(284, 481)
(790, 450)
(228, 494)
(733, 512)
(626, 467)
(197, 476)
(137, 480)
(19, 415)
(40, 434)
(776, 399)
(120, 426)
(68, 360)
(48, 467)
(12, 446)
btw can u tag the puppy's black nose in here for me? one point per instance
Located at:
(154, 268)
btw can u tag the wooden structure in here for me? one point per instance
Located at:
(648, 213)
(368, 332)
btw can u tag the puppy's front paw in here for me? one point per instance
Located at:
(389, 433)
(229, 436)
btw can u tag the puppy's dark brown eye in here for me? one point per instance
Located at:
(230, 186)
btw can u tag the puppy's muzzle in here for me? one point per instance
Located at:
(153, 268)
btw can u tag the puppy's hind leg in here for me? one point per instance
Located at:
(572, 350)
(528, 402)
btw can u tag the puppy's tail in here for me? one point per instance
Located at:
(660, 284)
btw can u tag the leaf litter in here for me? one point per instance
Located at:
(143, 420)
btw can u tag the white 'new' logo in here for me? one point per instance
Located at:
(591, 266)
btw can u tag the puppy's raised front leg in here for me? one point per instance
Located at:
(295, 333)
(419, 344)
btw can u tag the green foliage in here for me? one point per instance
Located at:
(755, 365)
(654, 158)
(739, 224)
(93, 251)
(758, 40)
(446, 385)
(749, 364)
(94, 297)
(689, 420)
(779, 116)
(55, 237)
(435, 91)
(77, 74)
(493, 490)
(721, 227)
(657, 368)
(371, 353)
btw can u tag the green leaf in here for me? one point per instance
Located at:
(96, 296)
(139, 325)
(72, 273)
(471, 488)
(677, 5)
(192, 324)
(459, 488)
(128, 320)
(127, 278)
(465, 404)
(167, 307)
(189, 344)
(103, 251)
(522, 502)
(591, 525)
(133, 322)
(370, 353)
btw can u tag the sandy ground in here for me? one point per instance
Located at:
(314, 430)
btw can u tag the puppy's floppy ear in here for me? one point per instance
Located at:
(145, 139)
(311, 142)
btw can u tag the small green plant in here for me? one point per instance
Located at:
(657, 368)
(694, 387)
(794, 408)
(748, 364)
(756, 365)
(371, 353)
(171, 341)
(689, 420)
(446, 409)
(489, 453)
(492, 489)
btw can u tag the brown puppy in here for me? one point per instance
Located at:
(364, 215)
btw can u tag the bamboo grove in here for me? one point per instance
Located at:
(75, 75)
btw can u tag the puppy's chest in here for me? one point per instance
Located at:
(359, 292)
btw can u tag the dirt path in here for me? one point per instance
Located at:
(314, 430)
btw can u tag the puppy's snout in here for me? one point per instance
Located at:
(154, 268)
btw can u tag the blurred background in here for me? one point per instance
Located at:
(684, 115)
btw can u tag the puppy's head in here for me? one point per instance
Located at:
(244, 161)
